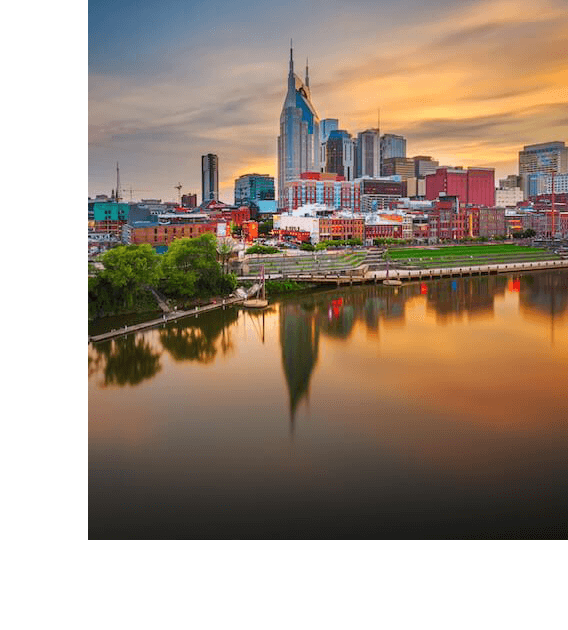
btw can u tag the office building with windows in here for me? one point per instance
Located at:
(209, 177)
(299, 139)
(399, 166)
(368, 153)
(254, 187)
(340, 154)
(392, 146)
(545, 158)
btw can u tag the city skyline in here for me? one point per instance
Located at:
(462, 84)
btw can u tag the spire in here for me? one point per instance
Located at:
(291, 59)
(307, 74)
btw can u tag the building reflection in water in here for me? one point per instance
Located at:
(543, 297)
(475, 297)
(299, 341)
(336, 314)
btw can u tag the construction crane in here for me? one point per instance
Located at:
(178, 188)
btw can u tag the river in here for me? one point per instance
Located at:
(431, 410)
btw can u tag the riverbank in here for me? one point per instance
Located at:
(311, 282)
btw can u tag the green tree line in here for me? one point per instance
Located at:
(189, 269)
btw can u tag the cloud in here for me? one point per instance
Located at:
(470, 84)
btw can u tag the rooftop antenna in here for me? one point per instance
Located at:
(307, 74)
(117, 192)
(378, 119)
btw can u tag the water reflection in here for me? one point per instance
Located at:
(124, 361)
(545, 295)
(335, 314)
(199, 339)
(436, 409)
(474, 297)
(299, 340)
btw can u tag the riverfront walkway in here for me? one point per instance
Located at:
(166, 317)
(424, 274)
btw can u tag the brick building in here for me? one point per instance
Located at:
(471, 186)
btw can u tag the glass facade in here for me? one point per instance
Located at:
(392, 146)
(299, 139)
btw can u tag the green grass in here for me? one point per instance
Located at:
(463, 251)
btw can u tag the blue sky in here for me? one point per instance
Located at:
(467, 83)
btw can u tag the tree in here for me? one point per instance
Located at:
(224, 250)
(128, 269)
(191, 268)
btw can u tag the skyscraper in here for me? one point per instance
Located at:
(340, 154)
(209, 177)
(327, 125)
(392, 146)
(368, 153)
(299, 139)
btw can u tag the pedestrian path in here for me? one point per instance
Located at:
(166, 317)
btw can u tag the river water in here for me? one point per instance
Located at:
(433, 410)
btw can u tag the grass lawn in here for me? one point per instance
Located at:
(464, 251)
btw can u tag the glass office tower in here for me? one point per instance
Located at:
(299, 139)
(392, 146)
(368, 153)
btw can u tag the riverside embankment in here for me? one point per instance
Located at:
(353, 277)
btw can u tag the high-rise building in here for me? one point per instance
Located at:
(327, 125)
(546, 158)
(399, 166)
(299, 139)
(368, 153)
(340, 154)
(392, 146)
(254, 187)
(209, 177)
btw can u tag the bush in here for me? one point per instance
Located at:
(307, 247)
(262, 249)
(282, 286)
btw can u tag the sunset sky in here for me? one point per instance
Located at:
(469, 83)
